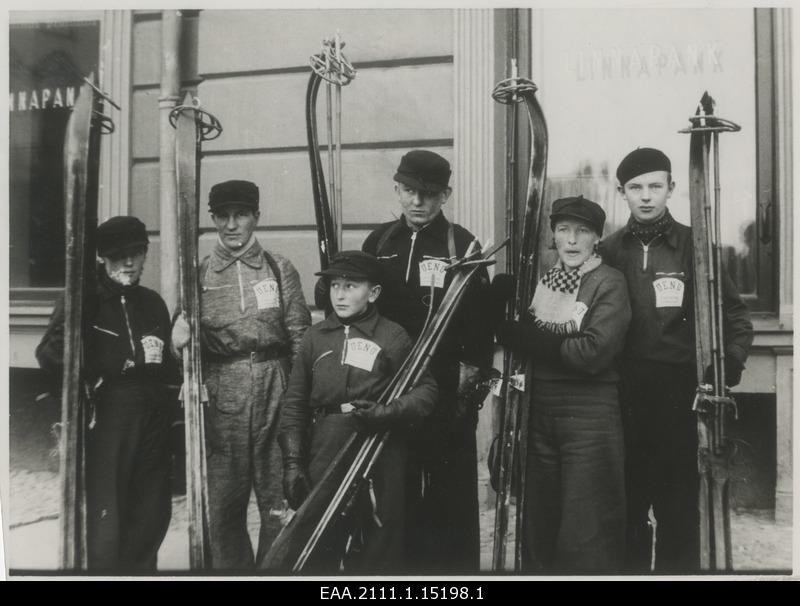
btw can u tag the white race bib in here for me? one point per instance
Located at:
(361, 353)
(432, 269)
(267, 295)
(669, 292)
(578, 312)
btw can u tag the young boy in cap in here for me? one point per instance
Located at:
(127, 448)
(253, 316)
(659, 380)
(413, 251)
(344, 364)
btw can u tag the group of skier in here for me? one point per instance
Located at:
(610, 328)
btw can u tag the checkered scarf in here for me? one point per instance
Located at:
(554, 302)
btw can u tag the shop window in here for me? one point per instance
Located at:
(47, 64)
(632, 79)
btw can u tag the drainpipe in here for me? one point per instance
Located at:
(169, 98)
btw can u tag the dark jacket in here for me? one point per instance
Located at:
(591, 355)
(665, 332)
(321, 377)
(404, 300)
(120, 317)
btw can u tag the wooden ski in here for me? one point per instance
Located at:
(193, 126)
(713, 403)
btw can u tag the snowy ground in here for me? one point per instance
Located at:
(760, 543)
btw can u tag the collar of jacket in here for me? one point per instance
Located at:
(671, 233)
(365, 325)
(436, 229)
(222, 258)
(108, 289)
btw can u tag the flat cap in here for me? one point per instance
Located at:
(234, 191)
(423, 170)
(579, 208)
(354, 264)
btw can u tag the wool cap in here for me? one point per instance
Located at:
(640, 161)
(119, 233)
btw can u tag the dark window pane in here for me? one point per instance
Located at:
(46, 67)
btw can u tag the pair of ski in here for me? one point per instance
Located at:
(713, 403)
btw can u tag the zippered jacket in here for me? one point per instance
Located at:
(245, 307)
(121, 317)
(660, 278)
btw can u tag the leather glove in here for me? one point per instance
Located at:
(501, 291)
(373, 414)
(733, 372)
(180, 332)
(296, 485)
(526, 337)
(472, 389)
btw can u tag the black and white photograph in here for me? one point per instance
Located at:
(386, 295)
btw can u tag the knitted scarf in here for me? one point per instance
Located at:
(555, 307)
(646, 232)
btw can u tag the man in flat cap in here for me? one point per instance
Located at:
(659, 380)
(413, 251)
(127, 443)
(253, 317)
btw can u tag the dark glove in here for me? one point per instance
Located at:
(733, 372)
(373, 414)
(527, 338)
(472, 388)
(296, 485)
(501, 291)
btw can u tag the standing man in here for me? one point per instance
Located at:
(443, 530)
(659, 379)
(253, 317)
(127, 443)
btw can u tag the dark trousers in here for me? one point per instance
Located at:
(127, 480)
(443, 521)
(376, 534)
(661, 470)
(574, 493)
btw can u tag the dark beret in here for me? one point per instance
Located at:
(640, 161)
(119, 233)
(241, 192)
(579, 208)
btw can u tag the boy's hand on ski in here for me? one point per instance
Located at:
(180, 332)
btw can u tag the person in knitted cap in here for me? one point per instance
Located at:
(253, 317)
(343, 366)
(574, 331)
(414, 250)
(127, 443)
(658, 379)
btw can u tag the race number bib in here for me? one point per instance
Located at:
(361, 353)
(267, 295)
(578, 312)
(432, 269)
(669, 292)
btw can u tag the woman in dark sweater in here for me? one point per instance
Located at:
(574, 330)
